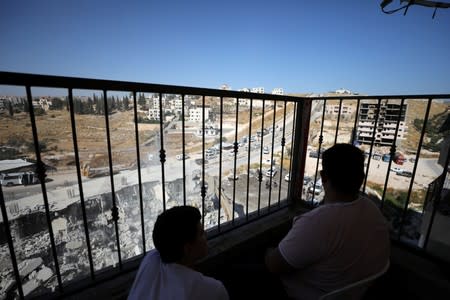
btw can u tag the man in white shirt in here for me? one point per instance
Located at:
(342, 241)
(166, 272)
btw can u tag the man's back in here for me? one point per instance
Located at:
(334, 245)
(157, 280)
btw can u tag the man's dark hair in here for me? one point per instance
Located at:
(173, 229)
(343, 164)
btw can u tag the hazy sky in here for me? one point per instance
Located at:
(301, 46)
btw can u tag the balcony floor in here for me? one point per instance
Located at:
(411, 275)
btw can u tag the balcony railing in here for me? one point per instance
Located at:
(86, 170)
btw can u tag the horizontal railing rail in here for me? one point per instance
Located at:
(130, 150)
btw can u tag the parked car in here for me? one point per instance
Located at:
(405, 173)
(180, 156)
(271, 172)
(397, 169)
(314, 154)
(316, 188)
(287, 177)
(306, 179)
(10, 179)
(266, 150)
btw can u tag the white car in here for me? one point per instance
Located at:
(271, 172)
(397, 170)
(180, 156)
(266, 150)
(287, 177)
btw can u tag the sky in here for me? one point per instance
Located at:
(300, 46)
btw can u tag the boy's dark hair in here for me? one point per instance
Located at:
(173, 229)
(343, 164)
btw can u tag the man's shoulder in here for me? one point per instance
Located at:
(212, 287)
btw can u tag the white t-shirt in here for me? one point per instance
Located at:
(158, 280)
(334, 245)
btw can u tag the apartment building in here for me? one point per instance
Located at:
(277, 91)
(333, 109)
(259, 90)
(195, 114)
(378, 124)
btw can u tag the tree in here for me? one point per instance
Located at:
(10, 109)
(57, 104)
(141, 100)
(126, 103)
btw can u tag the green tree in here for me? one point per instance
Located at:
(141, 100)
(10, 109)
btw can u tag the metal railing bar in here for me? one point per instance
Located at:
(272, 166)
(249, 150)
(220, 163)
(261, 154)
(10, 244)
(203, 188)
(236, 150)
(354, 133)
(405, 207)
(162, 152)
(371, 145)
(80, 184)
(114, 209)
(23, 79)
(319, 150)
(183, 138)
(138, 157)
(282, 149)
(291, 172)
(283, 142)
(392, 154)
(41, 175)
(338, 120)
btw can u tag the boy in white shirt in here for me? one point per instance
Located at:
(166, 272)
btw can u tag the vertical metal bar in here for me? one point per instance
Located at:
(236, 149)
(272, 167)
(10, 244)
(203, 188)
(354, 134)
(249, 141)
(338, 120)
(293, 133)
(261, 154)
(283, 142)
(220, 162)
(371, 145)
(162, 152)
(319, 151)
(138, 151)
(114, 210)
(80, 184)
(184, 149)
(392, 153)
(40, 168)
(405, 207)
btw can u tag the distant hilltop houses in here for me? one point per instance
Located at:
(257, 90)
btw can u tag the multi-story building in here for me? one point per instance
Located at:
(259, 90)
(277, 91)
(153, 114)
(334, 109)
(378, 124)
(195, 114)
